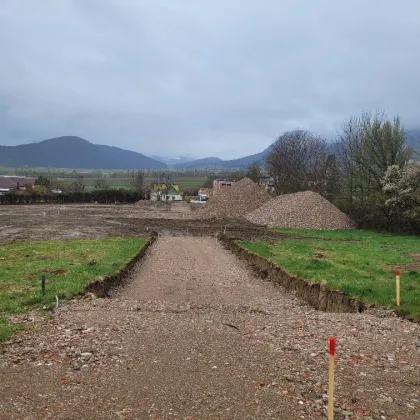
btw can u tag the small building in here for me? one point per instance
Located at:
(267, 183)
(160, 185)
(218, 184)
(170, 194)
(208, 192)
(9, 183)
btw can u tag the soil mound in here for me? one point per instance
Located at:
(304, 210)
(241, 198)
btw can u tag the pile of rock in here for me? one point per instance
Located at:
(303, 210)
(234, 201)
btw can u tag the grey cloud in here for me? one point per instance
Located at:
(202, 77)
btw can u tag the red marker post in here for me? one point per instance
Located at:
(397, 280)
(331, 380)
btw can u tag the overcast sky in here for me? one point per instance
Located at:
(205, 77)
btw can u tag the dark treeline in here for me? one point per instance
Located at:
(97, 196)
(149, 173)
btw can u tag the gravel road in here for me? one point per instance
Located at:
(195, 335)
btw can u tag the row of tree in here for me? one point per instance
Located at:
(113, 174)
(45, 185)
(109, 196)
(367, 172)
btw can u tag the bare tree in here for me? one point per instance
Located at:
(297, 162)
(137, 181)
(254, 171)
(78, 184)
(100, 184)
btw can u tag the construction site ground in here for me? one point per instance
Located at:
(43, 222)
(195, 335)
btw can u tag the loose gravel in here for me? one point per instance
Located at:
(196, 336)
(305, 210)
(241, 198)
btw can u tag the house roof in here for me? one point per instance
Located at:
(172, 191)
(162, 181)
(6, 183)
(12, 181)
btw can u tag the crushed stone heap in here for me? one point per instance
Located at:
(304, 210)
(235, 201)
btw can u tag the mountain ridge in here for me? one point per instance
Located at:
(75, 152)
(242, 162)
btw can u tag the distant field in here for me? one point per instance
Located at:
(7, 170)
(361, 263)
(90, 182)
(68, 265)
(187, 183)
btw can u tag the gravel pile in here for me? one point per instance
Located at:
(306, 210)
(235, 201)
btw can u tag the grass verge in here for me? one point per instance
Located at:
(361, 263)
(68, 266)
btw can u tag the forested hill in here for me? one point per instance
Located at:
(74, 152)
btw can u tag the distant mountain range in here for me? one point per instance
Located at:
(74, 152)
(77, 153)
(215, 162)
(174, 160)
(412, 136)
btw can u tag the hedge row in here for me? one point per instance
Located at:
(97, 196)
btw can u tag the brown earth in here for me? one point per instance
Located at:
(71, 221)
(195, 335)
(414, 265)
(34, 222)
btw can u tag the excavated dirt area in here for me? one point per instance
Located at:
(195, 335)
(34, 222)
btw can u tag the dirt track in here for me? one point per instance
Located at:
(195, 335)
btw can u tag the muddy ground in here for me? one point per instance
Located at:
(82, 221)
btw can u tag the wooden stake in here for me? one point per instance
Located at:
(397, 279)
(331, 380)
(43, 278)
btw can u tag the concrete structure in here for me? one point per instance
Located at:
(218, 184)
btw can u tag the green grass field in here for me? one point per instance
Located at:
(68, 265)
(116, 183)
(361, 263)
(186, 183)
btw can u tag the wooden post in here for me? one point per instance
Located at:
(331, 380)
(43, 278)
(397, 279)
